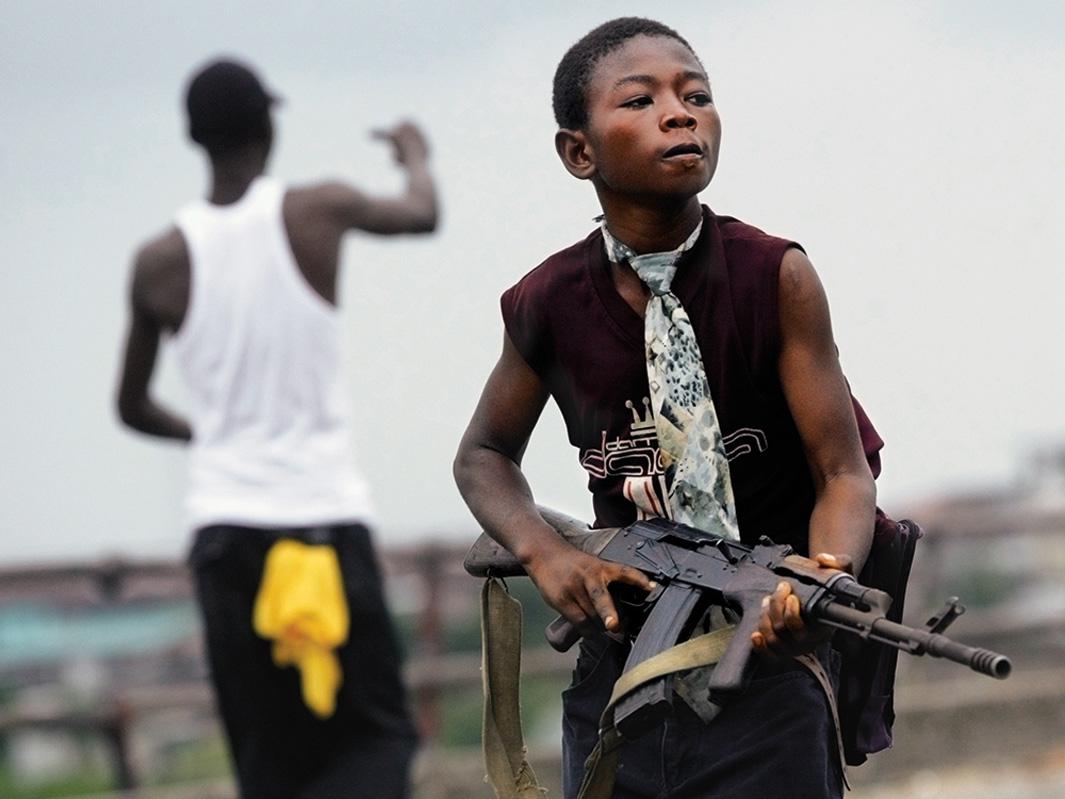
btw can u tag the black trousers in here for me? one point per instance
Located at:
(279, 748)
(774, 741)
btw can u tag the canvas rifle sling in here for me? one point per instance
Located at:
(508, 769)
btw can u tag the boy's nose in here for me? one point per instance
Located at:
(678, 117)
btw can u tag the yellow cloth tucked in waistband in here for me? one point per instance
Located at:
(301, 607)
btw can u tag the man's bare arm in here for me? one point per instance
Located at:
(488, 472)
(415, 211)
(136, 408)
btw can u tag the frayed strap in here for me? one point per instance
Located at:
(508, 769)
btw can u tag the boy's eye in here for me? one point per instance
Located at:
(637, 102)
(700, 98)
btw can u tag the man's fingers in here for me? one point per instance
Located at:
(572, 612)
(781, 626)
(586, 605)
(627, 574)
(605, 610)
(769, 624)
(597, 590)
(782, 630)
(768, 634)
(777, 602)
(761, 646)
(793, 615)
(829, 561)
(604, 604)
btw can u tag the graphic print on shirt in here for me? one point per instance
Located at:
(637, 459)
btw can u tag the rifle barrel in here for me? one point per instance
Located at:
(916, 641)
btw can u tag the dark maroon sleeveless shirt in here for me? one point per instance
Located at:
(584, 341)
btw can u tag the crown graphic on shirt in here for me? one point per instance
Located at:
(647, 423)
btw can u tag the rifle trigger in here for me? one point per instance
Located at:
(945, 617)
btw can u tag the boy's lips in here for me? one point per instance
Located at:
(681, 150)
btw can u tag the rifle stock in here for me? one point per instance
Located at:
(488, 558)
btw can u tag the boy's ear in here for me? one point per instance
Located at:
(576, 153)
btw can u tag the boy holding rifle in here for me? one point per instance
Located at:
(693, 360)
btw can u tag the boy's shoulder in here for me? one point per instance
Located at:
(753, 257)
(736, 233)
(561, 269)
(548, 299)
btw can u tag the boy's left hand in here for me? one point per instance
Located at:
(782, 632)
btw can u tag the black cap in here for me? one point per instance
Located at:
(223, 99)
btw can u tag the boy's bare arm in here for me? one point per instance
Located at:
(841, 525)
(136, 408)
(819, 400)
(415, 211)
(488, 472)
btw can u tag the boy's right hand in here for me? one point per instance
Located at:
(577, 584)
(408, 142)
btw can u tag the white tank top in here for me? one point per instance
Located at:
(260, 352)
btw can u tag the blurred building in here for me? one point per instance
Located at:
(1003, 551)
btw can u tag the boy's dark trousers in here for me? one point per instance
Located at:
(279, 748)
(776, 740)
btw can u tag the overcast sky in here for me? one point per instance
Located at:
(915, 149)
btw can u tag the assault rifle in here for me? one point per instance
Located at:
(695, 570)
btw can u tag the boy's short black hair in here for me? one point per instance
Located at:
(569, 96)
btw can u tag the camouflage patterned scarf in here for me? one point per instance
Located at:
(689, 435)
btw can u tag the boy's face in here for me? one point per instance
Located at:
(653, 130)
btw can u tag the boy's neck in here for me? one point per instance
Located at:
(654, 228)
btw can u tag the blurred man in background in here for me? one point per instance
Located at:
(245, 284)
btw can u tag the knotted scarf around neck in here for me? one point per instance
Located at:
(689, 434)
